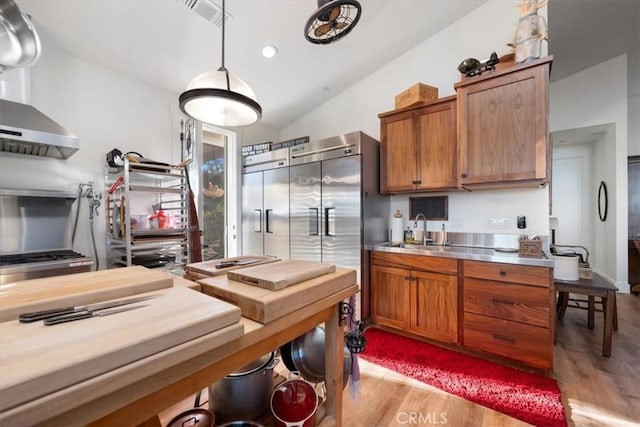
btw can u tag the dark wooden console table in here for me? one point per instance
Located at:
(594, 287)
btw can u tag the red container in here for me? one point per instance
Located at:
(159, 218)
(294, 404)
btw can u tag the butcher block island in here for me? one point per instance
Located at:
(126, 367)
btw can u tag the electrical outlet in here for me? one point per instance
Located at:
(498, 223)
(457, 223)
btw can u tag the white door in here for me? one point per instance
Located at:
(571, 195)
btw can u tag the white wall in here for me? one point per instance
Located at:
(606, 256)
(634, 125)
(592, 97)
(257, 133)
(633, 73)
(105, 109)
(488, 28)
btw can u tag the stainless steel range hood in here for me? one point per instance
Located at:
(25, 130)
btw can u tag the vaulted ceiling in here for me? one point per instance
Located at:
(165, 43)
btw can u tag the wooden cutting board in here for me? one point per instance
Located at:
(210, 268)
(187, 282)
(279, 275)
(264, 305)
(78, 289)
(37, 360)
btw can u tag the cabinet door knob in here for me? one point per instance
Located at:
(503, 273)
(464, 175)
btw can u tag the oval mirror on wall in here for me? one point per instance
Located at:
(603, 201)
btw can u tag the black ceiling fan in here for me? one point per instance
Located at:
(332, 20)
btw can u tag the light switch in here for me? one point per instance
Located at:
(457, 223)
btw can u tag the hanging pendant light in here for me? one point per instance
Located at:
(220, 98)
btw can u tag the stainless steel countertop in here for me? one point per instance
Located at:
(464, 252)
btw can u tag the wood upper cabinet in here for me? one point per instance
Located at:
(418, 148)
(398, 153)
(503, 134)
(406, 295)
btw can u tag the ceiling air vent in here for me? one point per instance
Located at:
(208, 10)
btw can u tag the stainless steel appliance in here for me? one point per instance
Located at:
(336, 207)
(265, 204)
(35, 235)
(26, 130)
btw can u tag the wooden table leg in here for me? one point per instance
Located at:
(561, 305)
(334, 354)
(608, 324)
(591, 311)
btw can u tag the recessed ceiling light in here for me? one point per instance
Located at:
(269, 51)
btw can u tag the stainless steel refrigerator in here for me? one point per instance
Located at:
(335, 205)
(265, 204)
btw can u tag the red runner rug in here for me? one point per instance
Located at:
(528, 397)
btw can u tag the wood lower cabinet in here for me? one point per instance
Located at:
(513, 340)
(418, 148)
(434, 305)
(507, 311)
(415, 293)
(390, 296)
(503, 135)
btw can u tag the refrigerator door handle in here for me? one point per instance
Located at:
(314, 222)
(267, 229)
(257, 220)
(329, 221)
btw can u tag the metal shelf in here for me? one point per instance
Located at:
(165, 187)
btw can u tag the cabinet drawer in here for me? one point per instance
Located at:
(416, 262)
(524, 274)
(525, 304)
(529, 344)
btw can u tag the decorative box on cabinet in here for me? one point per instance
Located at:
(415, 293)
(508, 311)
(418, 148)
(503, 136)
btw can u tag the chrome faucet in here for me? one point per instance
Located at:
(424, 227)
(445, 237)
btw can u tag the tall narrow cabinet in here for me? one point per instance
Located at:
(133, 193)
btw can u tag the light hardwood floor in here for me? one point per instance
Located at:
(596, 391)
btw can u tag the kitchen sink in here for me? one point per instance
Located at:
(440, 248)
(413, 245)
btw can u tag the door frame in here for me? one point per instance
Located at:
(232, 184)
